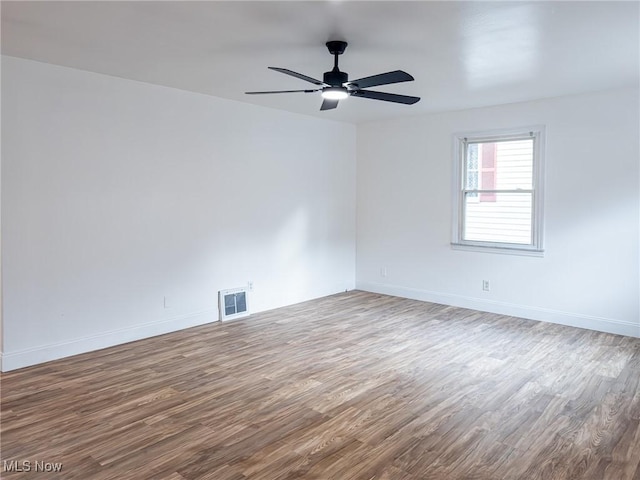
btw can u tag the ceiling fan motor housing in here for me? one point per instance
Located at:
(335, 78)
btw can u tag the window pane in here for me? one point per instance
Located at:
(514, 165)
(505, 219)
(471, 167)
(504, 165)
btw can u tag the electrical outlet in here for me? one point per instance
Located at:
(486, 285)
(167, 302)
(250, 285)
(383, 271)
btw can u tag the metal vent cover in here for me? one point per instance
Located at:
(233, 303)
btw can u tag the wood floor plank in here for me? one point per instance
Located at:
(353, 386)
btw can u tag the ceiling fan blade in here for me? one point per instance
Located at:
(282, 91)
(328, 104)
(297, 75)
(396, 76)
(387, 97)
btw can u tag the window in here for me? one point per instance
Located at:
(498, 191)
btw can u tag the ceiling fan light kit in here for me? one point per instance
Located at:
(335, 85)
(335, 93)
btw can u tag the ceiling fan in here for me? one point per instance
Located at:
(336, 85)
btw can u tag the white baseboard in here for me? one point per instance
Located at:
(45, 353)
(619, 327)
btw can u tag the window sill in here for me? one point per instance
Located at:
(527, 252)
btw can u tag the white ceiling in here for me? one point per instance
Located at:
(462, 54)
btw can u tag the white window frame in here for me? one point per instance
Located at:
(460, 141)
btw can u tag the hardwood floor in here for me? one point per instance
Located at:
(352, 386)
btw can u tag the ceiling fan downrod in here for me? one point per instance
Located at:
(335, 77)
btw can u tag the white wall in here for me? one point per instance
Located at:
(117, 194)
(588, 276)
